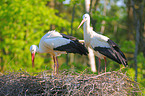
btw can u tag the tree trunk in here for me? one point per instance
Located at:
(92, 60)
(137, 13)
(73, 14)
(90, 7)
(91, 53)
(87, 5)
(130, 20)
(136, 48)
(96, 4)
(104, 14)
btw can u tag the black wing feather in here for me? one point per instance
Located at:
(108, 53)
(113, 53)
(73, 47)
(116, 47)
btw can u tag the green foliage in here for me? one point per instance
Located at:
(128, 46)
(24, 22)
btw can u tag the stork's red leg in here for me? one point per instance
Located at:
(99, 66)
(54, 64)
(105, 63)
(57, 64)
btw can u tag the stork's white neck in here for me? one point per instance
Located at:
(86, 27)
(87, 32)
(39, 50)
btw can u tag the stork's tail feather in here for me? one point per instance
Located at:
(115, 48)
(122, 59)
(113, 53)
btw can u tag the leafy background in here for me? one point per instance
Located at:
(24, 22)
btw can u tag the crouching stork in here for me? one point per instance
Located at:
(56, 43)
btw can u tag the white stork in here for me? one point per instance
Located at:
(56, 43)
(102, 45)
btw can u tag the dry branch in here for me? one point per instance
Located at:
(68, 83)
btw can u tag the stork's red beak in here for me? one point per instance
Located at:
(82, 23)
(33, 57)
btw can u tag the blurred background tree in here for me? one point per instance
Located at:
(24, 22)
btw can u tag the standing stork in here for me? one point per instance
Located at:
(103, 47)
(56, 43)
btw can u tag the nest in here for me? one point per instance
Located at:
(67, 83)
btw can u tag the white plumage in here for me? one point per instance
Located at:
(51, 40)
(102, 45)
(56, 43)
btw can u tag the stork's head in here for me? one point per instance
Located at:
(85, 18)
(33, 49)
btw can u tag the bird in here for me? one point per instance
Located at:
(56, 43)
(101, 45)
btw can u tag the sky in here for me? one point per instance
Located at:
(66, 2)
(119, 2)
